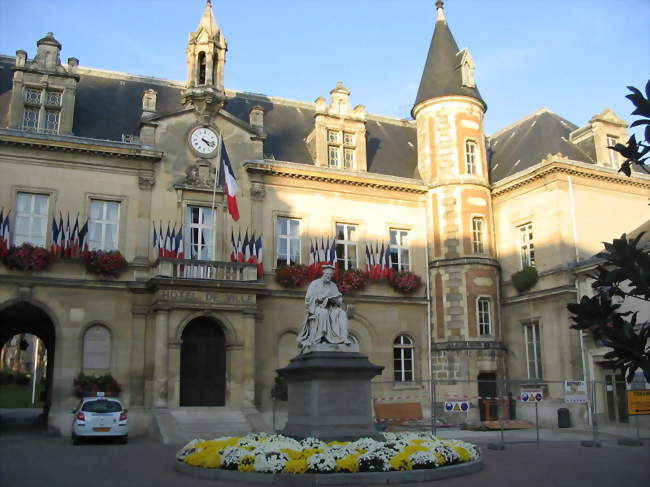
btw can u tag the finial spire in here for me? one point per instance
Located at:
(440, 11)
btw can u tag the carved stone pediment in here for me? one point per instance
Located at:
(199, 175)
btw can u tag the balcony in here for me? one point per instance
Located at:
(204, 269)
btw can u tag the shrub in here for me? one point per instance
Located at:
(27, 257)
(525, 279)
(109, 264)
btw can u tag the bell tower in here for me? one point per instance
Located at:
(452, 161)
(206, 57)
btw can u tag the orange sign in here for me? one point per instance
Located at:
(638, 402)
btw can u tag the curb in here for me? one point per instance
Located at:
(365, 478)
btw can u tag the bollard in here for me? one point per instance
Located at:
(434, 428)
(594, 442)
(537, 424)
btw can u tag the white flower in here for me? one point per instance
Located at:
(188, 449)
(271, 462)
(321, 462)
(231, 456)
(423, 458)
(375, 461)
(367, 444)
(308, 443)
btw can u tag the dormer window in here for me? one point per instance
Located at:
(613, 155)
(467, 69)
(39, 116)
(341, 153)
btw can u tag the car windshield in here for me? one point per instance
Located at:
(102, 406)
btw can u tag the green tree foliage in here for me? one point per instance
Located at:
(636, 153)
(624, 276)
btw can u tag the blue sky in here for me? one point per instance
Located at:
(575, 57)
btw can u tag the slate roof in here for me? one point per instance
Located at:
(528, 141)
(109, 105)
(442, 74)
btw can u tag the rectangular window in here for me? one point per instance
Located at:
(533, 350)
(333, 137)
(103, 225)
(484, 321)
(53, 98)
(526, 247)
(346, 246)
(288, 230)
(51, 125)
(470, 156)
(30, 118)
(199, 241)
(348, 159)
(477, 235)
(333, 156)
(33, 96)
(400, 255)
(348, 138)
(613, 155)
(31, 219)
(403, 359)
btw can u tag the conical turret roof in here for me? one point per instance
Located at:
(442, 75)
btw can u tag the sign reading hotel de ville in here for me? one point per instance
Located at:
(205, 298)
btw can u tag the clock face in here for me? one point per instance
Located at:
(204, 140)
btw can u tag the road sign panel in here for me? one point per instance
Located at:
(457, 406)
(638, 403)
(536, 395)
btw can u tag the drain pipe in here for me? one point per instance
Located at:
(429, 334)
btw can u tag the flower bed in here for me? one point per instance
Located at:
(264, 453)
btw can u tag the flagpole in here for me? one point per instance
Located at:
(216, 173)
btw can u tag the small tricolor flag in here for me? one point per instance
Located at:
(231, 184)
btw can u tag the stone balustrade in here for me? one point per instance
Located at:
(205, 269)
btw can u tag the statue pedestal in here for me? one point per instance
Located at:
(330, 396)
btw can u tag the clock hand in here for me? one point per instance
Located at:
(211, 144)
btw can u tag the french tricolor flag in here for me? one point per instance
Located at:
(231, 184)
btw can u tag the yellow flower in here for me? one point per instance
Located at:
(247, 464)
(441, 459)
(292, 454)
(349, 463)
(220, 445)
(297, 465)
(207, 458)
(464, 454)
(411, 449)
(401, 462)
(335, 443)
(309, 452)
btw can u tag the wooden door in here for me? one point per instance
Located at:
(203, 364)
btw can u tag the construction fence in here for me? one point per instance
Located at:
(513, 410)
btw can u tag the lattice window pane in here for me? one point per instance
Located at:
(348, 138)
(33, 96)
(333, 156)
(51, 121)
(348, 162)
(53, 98)
(30, 119)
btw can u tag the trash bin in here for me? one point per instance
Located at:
(563, 418)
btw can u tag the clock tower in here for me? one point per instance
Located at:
(206, 56)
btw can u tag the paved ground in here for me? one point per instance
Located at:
(29, 458)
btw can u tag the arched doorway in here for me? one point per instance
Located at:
(27, 321)
(203, 364)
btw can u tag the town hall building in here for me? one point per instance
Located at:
(188, 323)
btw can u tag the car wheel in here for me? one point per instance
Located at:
(75, 439)
(124, 439)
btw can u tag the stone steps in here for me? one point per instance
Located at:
(180, 425)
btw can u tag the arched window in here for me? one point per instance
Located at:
(201, 77)
(403, 358)
(97, 348)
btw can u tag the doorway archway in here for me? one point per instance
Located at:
(203, 364)
(26, 318)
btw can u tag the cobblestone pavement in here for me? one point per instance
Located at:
(33, 460)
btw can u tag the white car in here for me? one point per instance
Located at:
(100, 417)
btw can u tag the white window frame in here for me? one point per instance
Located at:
(187, 238)
(396, 250)
(341, 149)
(405, 346)
(291, 240)
(484, 316)
(471, 157)
(532, 335)
(525, 238)
(345, 259)
(478, 235)
(612, 154)
(31, 218)
(103, 222)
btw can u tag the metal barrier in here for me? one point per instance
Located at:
(503, 411)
